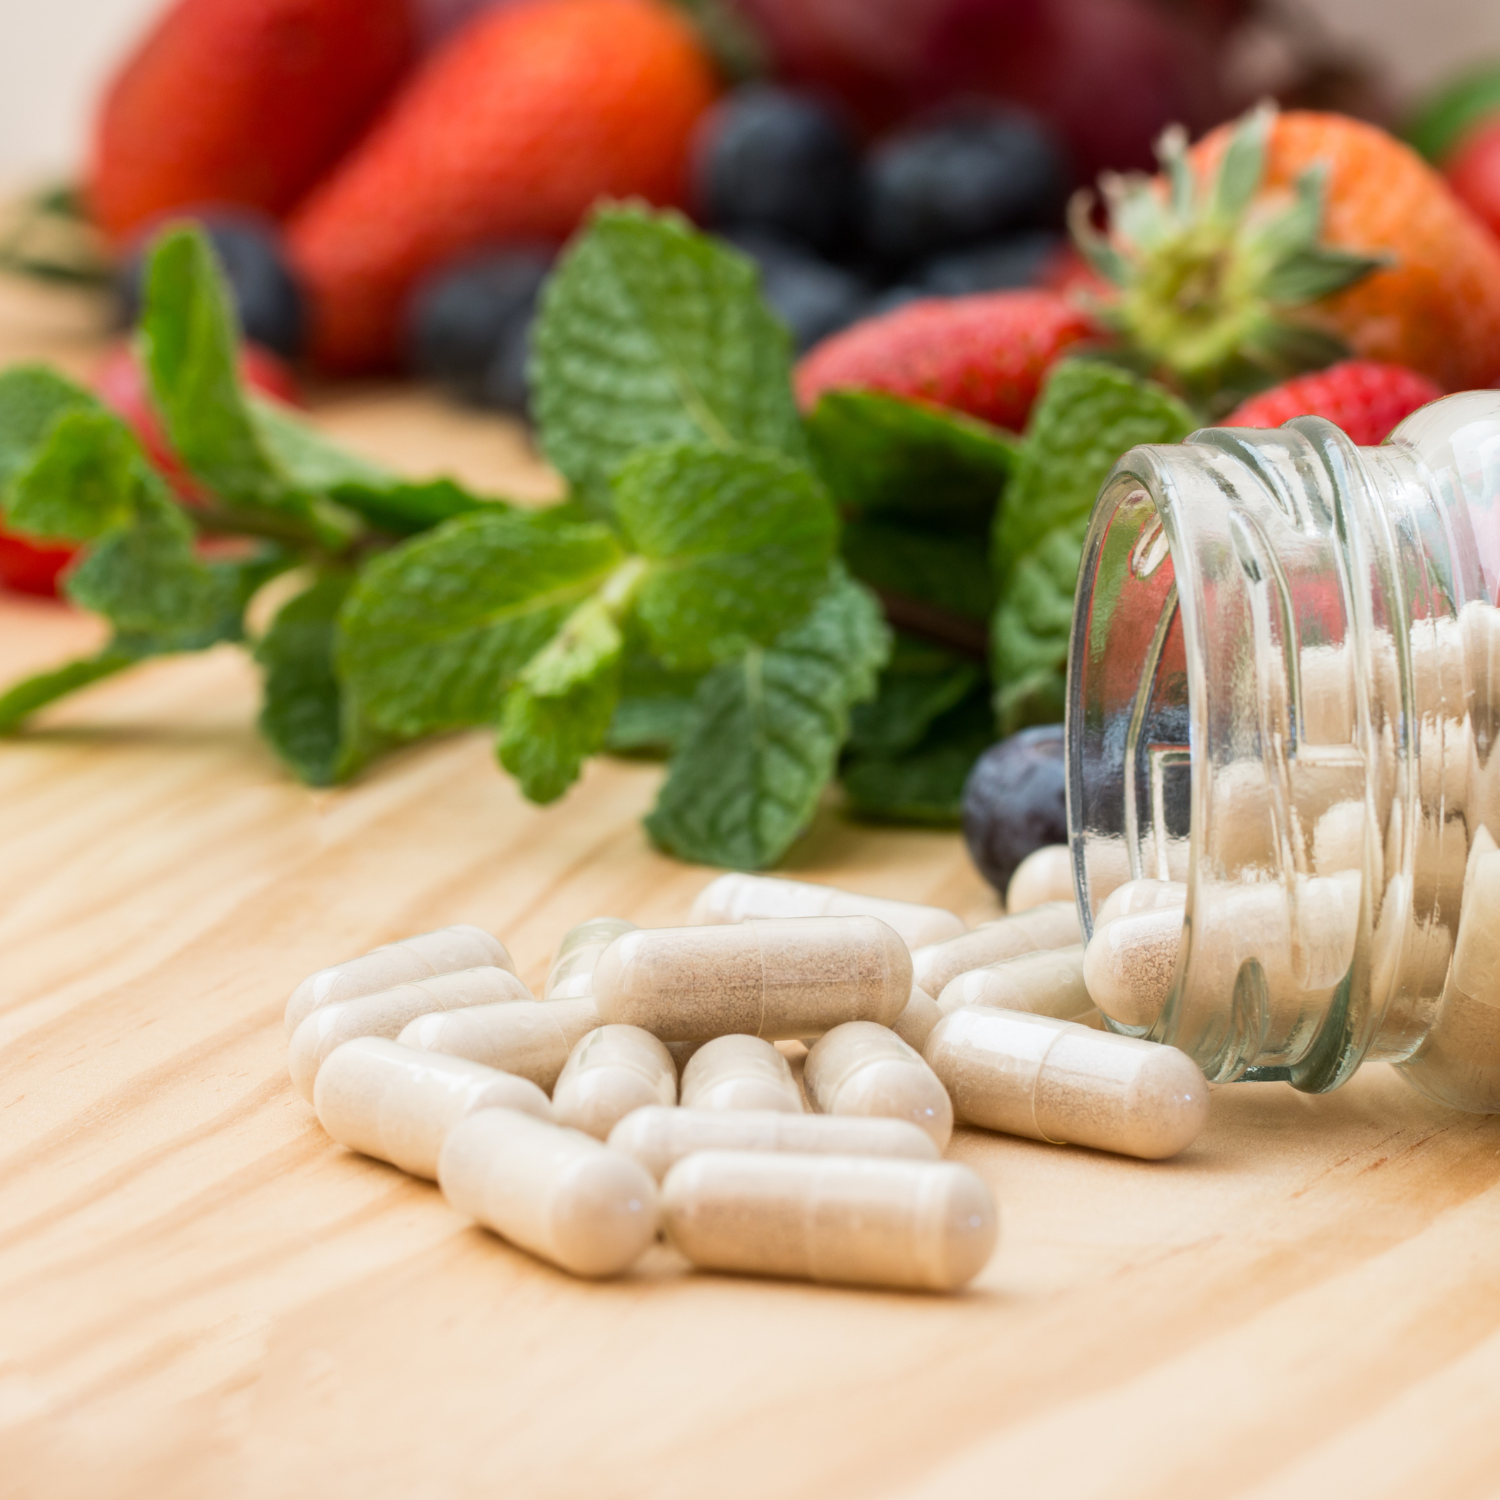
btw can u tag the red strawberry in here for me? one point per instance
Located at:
(33, 568)
(242, 101)
(1473, 172)
(985, 355)
(515, 127)
(1364, 397)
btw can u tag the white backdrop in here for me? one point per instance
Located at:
(53, 54)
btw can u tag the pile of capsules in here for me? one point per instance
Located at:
(672, 1110)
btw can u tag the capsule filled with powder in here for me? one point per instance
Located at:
(1131, 963)
(397, 1104)
(1053, 925)
(914, 1024)
(863, 1221)
(774, 979)
(740, 898)
(572, 972)
(1064, 1083)
(863, 1069)
(1046, 874)
(531, 1039)
(558, 1193)
(389, 1012)
(659, 1138)
(610, 1072)
(739, 1072)
(1046, 983)
(413, 959)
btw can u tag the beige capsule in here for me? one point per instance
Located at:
(397, 1104)
(740, 898)
(1048, 983)
(389, 1012)
(532, 1039)
(558, 1193)
(863, 1069)
(914, 1024)
(1131, 963)
(739, 1072)
(1141, 895)
(445, 951)
(860, 1220)
(1064, 1083)
(1046, 874)
(776, 979)
(659, 1138)
(610, 1072)
(1054, 925)
(572, 973)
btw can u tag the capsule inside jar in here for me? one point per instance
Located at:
(781, 980)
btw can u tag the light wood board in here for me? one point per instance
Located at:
(201, 1295)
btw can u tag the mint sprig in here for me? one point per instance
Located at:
(715, 588)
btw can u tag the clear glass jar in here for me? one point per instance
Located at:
(1284, 691)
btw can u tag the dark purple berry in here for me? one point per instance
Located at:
(1015, 801)
(972, 178)
(813, 298)
(771, 159)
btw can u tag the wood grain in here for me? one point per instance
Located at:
(201, 1295)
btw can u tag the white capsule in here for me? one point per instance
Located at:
(1131, 964)
(659, 1138)
(1141, 895)
(398, 1104)
(781, 980)
(415, 958)
(572, 973)
(1064, 1083)
(1054, 925)
(863, 1069)
(739, 1072)
(531, 1039)
(1048, 983)
(1046, 874)
(739, 898)
(915, 1023)
(558, 1193)
(865, 1221)
(389, 1012)
(610, 1072)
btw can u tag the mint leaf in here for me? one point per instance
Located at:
(437, 630)
(766, 734)
(738, 546)
(651, 333)
(881, 455)
(309, 719)
(920, 683)
(386, 500)
(951, 573)
(32, 398)
(188, 339)
(1089, 414)
(655, 707)
(923, 783)
(81, 481)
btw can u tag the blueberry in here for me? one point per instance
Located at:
(469, 325)
(1015, 801)
(997, 267)
(813, 298)
(961, 181)
(266, 294)
(772, 159)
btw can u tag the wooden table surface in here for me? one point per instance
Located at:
(201, 1295)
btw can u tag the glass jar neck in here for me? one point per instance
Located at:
(1268, 701)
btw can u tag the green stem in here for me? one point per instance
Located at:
(27, 696)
